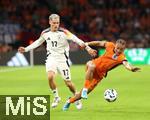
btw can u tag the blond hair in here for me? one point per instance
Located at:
(53, 16)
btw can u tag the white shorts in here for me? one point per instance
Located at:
(61, 67)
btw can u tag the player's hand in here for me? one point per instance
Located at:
(92, 52)
(136, 69)
(21, 49)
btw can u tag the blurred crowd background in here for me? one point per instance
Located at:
(22, 21)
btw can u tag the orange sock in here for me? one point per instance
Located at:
(72, 100)
(87, 83)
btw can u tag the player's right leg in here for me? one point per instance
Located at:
(53, 87)
(89, 76)
(51, 68)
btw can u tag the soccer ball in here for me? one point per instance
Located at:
(110, 95)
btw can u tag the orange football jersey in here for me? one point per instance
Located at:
(109, 60)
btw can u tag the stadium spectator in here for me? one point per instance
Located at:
(94, 19)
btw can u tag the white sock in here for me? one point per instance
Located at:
(55, 92)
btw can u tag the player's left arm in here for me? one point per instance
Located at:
(130, 67)
(97, 43)
(75, 39)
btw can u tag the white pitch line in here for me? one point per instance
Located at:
(13, 69)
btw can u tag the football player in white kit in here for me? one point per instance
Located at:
(57, 55)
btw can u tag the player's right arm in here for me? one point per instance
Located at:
(97, 43)
(130, 67)
(34, 45)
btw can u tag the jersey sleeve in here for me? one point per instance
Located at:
(72, 37)
(109, 45)
(35, 44)
(123, 58)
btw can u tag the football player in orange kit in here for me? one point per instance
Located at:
(98, 68)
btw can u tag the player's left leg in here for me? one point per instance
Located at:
(64, 70)
(70, 85)
(65, 73)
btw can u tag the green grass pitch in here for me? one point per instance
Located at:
(133, 89)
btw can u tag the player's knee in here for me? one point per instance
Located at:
(50, 76)
(91, 67)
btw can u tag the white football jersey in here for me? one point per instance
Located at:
(57, 44)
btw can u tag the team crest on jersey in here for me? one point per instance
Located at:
(115, 56)
(59, 36)
(48, 38)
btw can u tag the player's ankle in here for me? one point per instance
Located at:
(55, 92)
